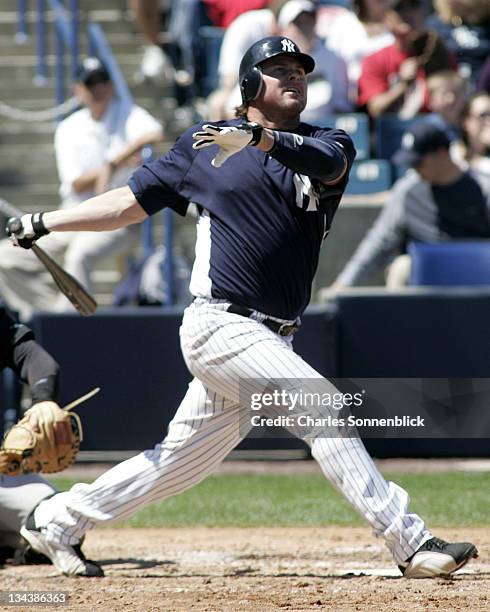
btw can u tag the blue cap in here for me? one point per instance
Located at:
(92, 71)
(421, 139)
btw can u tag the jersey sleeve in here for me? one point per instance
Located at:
(340, 139)
(161, 183)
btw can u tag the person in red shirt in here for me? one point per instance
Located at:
(393, 79)
(223, 12)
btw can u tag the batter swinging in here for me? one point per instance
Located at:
(266, 187)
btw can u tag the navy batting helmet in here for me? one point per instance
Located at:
(250, 75)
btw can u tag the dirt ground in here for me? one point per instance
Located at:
(333, 568)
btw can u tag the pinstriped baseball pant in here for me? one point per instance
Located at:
(221, 349)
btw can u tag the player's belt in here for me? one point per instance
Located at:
(283, 329)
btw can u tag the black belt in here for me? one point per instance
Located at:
(283, 329)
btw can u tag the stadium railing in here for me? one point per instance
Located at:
(66, 28)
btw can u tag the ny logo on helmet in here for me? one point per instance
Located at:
(288, 45)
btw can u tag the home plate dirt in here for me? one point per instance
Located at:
(333, 568)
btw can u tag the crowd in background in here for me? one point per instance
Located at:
(414, 59)
(374, 56)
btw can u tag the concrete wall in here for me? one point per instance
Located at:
(134, 356)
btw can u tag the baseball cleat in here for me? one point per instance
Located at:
(68, 559)
(438, 558)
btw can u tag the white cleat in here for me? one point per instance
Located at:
(438, 558)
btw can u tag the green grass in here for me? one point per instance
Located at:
(442, 499)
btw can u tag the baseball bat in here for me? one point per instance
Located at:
(82, 399)
(66, 283)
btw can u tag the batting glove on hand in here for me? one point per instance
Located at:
(25, 230)
(230, 139)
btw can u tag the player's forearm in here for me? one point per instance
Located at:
(111, 210)
(310, 156)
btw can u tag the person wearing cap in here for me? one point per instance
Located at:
(328, 84)
(393, 79)
(438, 201)
(96, 148)
(266, 187)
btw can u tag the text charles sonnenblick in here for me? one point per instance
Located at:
(306, 420)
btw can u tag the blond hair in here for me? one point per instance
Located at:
(445, 78)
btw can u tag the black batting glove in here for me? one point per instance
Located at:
(25, 230)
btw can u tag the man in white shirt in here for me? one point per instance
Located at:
(97, 148)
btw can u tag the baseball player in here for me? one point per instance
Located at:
(20, 494)
(266, 187)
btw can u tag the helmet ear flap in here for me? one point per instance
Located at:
(251, 84)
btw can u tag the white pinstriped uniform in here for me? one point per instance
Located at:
(241, 260)
(220, 349)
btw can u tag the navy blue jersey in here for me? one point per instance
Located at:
(261, 225)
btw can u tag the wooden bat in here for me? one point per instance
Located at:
(82, 399)
(67, 284)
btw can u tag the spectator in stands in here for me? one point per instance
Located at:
(393, 79)
(358, 33)
(327, 85)
(439, 201)
(476, 132)
(447, 97)
(223, 12)
(464, 25)
(97, 148)
(179, 58)
(155, 64)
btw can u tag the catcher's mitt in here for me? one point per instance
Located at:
(46, 439)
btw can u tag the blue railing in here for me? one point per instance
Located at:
(98, 45)
(66, 25)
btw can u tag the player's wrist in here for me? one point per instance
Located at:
(38, 225)
(255, 130)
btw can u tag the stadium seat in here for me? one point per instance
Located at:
(369, 176)
(452, 263)
(356, 125)
(343, 3)
(389, 130)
